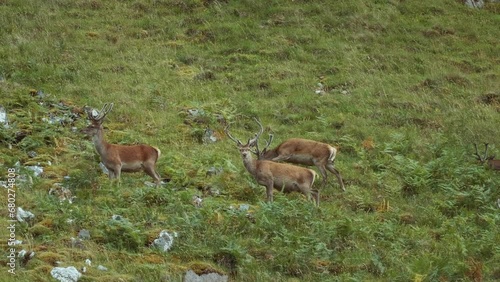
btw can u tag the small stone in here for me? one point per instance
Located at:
(191, 276)
(32, 154)
(164, 241)
(84, 234)
(208, 136)
(77, 243)
(3, 117)
(23, 215)
(37, 170)
(197, 200)
(213, 171)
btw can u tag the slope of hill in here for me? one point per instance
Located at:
(402, 88)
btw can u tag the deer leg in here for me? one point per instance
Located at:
(322, 171)
(337, 173)
(117, 169)
(111, 174)
(269, 191)
(315, 194)
(150, 170)
(302, 189)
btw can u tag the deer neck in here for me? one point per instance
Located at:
(269, 155)
(250, 164)
(99, 142)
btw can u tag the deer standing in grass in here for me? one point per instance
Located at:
(305, 152)
(284, 177)
(118, 158)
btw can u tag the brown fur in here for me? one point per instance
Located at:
(283, 177)
(306, 152)
(494, 164)
(118, 158)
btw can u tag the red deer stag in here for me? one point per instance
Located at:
(492, 163)
(284, 177)
(118, 158)
(304, 152)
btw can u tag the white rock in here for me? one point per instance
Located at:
(478, 4)
(3, 117)
(23, 215)
(65, 274)
(37, 170)
(197, 200)
(164, 241)
(191, 276)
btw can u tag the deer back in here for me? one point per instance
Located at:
(494, 164)
(302, 151)
(133, 153)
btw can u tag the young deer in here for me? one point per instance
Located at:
(118, 158)
(284, 177)
(305, 152)
(492, 163)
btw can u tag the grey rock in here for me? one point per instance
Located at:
(191, 276)
(84, 234)
(65, 274)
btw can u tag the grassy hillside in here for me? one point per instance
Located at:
(408, 86)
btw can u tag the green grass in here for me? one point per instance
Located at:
(411, 85)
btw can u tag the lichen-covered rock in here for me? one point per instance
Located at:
(478, 4)
(65, 274)
(165, 241)
(84, 234)
(191, 276)
(36, 169)
(61, 192)
(3, 117)
(23, 215)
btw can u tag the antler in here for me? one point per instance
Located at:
(477, 154)
(268, 143)
(257, 135)
(255, 141)
(252, 142)
(226, 130)
(485, 152)
(99, 116)
(485, 157)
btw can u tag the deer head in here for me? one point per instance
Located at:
(96, 118)
(252, 142)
